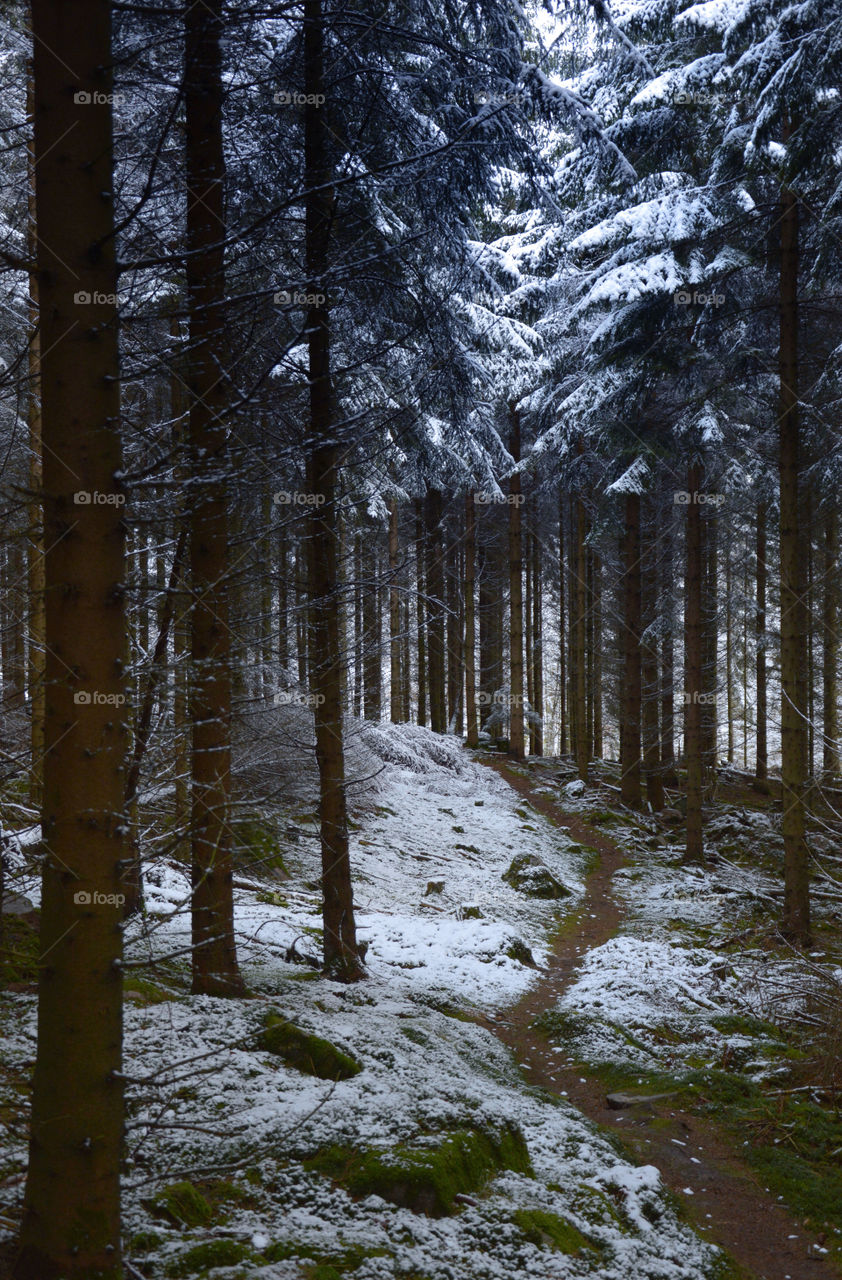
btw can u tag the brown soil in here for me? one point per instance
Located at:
(728, 1205)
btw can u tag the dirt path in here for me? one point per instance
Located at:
(697, 1161)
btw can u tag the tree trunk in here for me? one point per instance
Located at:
(395, 705)
(597, 656)
(470, 621)
(455, 643)
(421, 620)
(341, 954)
(729, 655)
(649, 668)
(693, 652)
(710, 642)
(761, 766)
(630, 702)
(796, 914)
(536, 731)
(35, 548)
(582, 745)
(830, 648)
(563, 727)
(358, 625)
(214, 956)
(435, 611)
(71, 1212)
(517, 749)
(372, 629)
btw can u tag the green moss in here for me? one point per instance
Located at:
(144, 1242)
(559, 1025)
(204, 1257)
(518, 950)
(427, 1176)
(20, 951)
(529, 875)
(415, 1035)
(149, 992)
(182, 1204)
(255, 841)
(308, 1053)
(548, 1230)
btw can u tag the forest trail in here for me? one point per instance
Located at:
(696, 1159)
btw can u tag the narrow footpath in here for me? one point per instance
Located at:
(696, 1160)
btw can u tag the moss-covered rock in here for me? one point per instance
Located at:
(518, 950)
(308, 1053)
(428, 1174)
(181, 1204)
(529, 875)
(550, 1231)
(204, 1257)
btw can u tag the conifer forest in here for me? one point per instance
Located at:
(420, 640)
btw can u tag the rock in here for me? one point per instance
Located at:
(669, 817)
(469, 911)
(574, 788)
(529, 875)
(434, 886)
(619, 1101)
(15, 904)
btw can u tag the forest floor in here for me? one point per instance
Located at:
(446, 1119)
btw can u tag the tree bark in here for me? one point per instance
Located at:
(761, 766)
(649, 668)
(830, 648)
(563, 727)
(395, 702)
(341, 953)
(693, 652)
(435, 611)
(582, 745)
(421, 611)
(71, 1212)
(372, 628)
(536, 731)
(35, 546)
(470, 621)
(630, 703)
(214, 955)
(796, 914)
(517, 748)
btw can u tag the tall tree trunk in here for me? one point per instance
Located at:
(597, 655)
(529, 670)
(372, 629)
(630, 708)
(358, 625)
(455, 642)
(796, 914)
(729, 655)
(470, 621)
(761, 766)
(563, 727)
(693, 654)
(582, 745)
(517, 748)
(406, 672)
(35, 548)
(830, 647)
(710, 641)
(341, 953)
(421, 610)
(395, 706)
(214, 956)
(536, 731)
(435, 611)
(71, 1211)
(649, 667)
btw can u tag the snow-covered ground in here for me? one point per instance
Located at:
(207, 1103)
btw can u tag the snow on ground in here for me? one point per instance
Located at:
(206, 1101)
